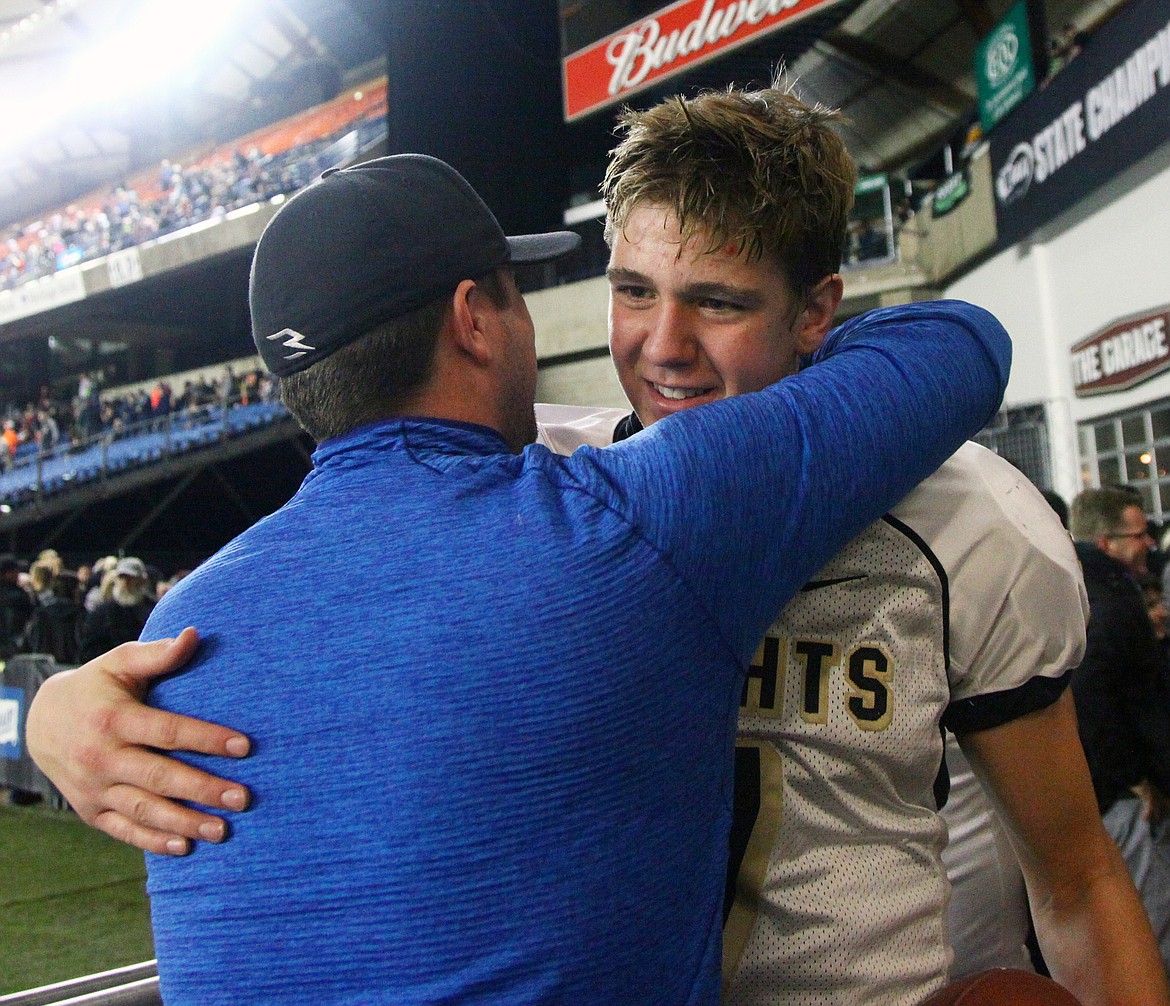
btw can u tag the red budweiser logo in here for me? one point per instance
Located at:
(678, 36)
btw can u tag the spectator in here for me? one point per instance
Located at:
(102, 569)
(55, 628)
(1121, 710)
(16, 607)
(1155, 598)
(52, 557)
(1155, 605)
(41, 576)
(11, 442)
(165, 585)
(120, 617)
(48, 431)
(1056, 501)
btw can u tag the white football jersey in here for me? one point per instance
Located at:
(966, 600)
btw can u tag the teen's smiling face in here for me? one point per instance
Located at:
(688, 326)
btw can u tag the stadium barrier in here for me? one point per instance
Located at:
(22, 675)
(135, 985)
(70, 465)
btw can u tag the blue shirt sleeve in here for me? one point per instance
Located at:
(801, 467)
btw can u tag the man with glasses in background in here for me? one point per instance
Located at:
(1122, 713)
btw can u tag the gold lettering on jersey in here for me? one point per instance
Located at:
(763, 689)
(869, 672)
(817, 658)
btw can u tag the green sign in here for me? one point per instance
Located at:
(951, 192)
(1003, 66)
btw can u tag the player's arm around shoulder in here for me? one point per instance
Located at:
(91, 734)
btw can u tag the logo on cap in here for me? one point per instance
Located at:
(292, 340)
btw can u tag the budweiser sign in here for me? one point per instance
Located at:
(681, 35)
(1124, 354)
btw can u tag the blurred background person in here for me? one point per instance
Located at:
(120, 617)
(16, 607)
(1123, 719)
(55, 628)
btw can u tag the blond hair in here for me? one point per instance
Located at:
(761, 170)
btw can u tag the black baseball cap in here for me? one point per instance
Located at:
(372, 242)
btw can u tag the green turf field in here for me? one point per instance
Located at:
(72, 901)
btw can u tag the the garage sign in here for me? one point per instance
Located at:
(1126, 353)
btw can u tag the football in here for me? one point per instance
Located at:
(1003, 987)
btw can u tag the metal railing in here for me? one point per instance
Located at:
(135, 985)
(122, 447)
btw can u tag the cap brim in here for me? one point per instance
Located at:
(541, 247)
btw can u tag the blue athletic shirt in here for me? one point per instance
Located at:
(493, 697)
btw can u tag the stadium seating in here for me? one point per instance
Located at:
(150, 441)
(294, 152)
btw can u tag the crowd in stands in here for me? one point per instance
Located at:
(75, 615)
(47, 423)
(184, 195)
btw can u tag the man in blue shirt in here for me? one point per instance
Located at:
(527, 732)
(841, 797)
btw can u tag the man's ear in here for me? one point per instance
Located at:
(470, 322)
(816, 318)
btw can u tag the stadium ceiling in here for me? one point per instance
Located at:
(900, 69)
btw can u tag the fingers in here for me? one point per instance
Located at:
(142, 662)
(139, 724)
(152, 779)
(91, 735)
(148, 839)
(139, 817)
(136, 664)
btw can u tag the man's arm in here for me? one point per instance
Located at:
(90, 732)
(91, 735)
(947, 360)
(1090, 922)
(799, 468)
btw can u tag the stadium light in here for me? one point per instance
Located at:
(138, 56)
(37, 20)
